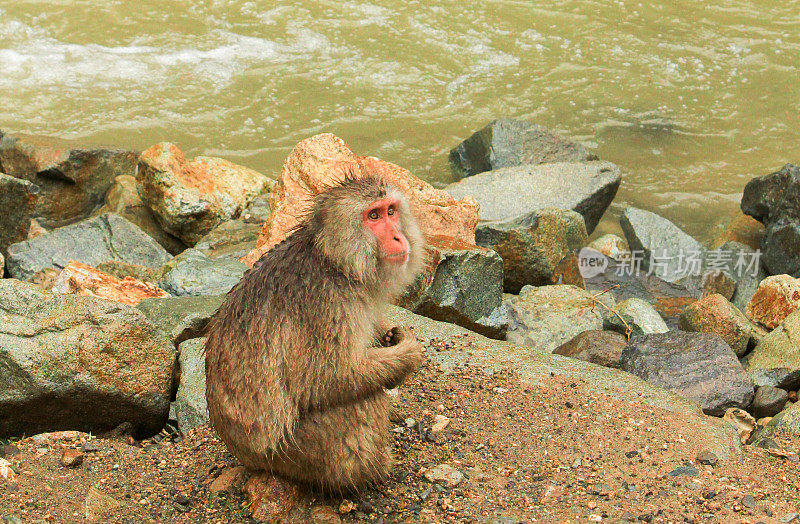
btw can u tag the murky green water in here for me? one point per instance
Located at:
(691, 100)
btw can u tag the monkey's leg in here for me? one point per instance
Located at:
(340, 449)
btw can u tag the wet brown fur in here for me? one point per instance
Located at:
(294, 362)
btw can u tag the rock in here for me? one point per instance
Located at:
(99, 505)
(71, 458)
(440, 422)
(689, 471)
(190, 198)
(546, 317)
(603, 348)
(508, 142)
(709, 282)
(532, 245)
(698, 366)
(271, 498)
(513, 192)
(775, 299)
(80, 279)
(444, 474)
(18, 201)
(461, 284)
(232, 239)
(775, 361)
(611, 246)
(91, 241)
(774, 200)
(259, 209)
(784, 424)
(323, 160)
(190, 402)
(181, 318)
(194, 273)
(746, 272)
(79, 362)
(7, 473)
(741, 421)
(123, 199)
(768, 401)
(707, 458)
(568, 271)
(72, 179)
(640, 316)
(743, 229)
(229, 481)
(35, 229)
(714, 314)
(621, 281)
(672, 252)
(123, 270)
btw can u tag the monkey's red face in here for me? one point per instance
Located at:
(382, 218)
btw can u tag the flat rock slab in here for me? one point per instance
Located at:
(190, 401)
(458, 347)
(512, 192)
(181, 318)
(195, 273)
(699, 366)
(70, 361)
(92, 241)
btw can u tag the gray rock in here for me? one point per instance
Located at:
(181, 318)
(548, 316)
(784, 424)
(603, 348)
(747, 271)
(73, 179)
(658, 238)
(191, 409)
(641, 317)
(232, 239)
(513, 192)
(775, 361)
(455, 348)
(768, 401)
(531, 246)
(444, 474)
(507, 143)
(774, 200)
(698, 366)
(17, 200)
(194, 273)
(461, 284)
(78, 362)
(91, 241)
(260, 208)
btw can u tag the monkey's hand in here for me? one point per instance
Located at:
(408, 355)
(392, 337)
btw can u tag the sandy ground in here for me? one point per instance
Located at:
(552, 453)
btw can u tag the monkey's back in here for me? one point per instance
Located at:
(276, 333)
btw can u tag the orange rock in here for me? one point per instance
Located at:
(743, 229)
(229, 480)
(81, 279)
(271, 498)
(775, 299)
(320, 161)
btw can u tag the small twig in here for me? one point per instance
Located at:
(628, 329)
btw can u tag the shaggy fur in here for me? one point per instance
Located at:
(295, 365)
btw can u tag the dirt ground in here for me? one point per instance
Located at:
(552, 453)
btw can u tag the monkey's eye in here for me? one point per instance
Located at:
(390, 211)
(373, 215)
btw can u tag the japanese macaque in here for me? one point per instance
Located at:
(299, 356)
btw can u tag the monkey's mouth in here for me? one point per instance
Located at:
(396, 257)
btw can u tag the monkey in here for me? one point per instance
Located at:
(299, 356)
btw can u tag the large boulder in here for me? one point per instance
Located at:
(774, 200)
(746, 270)
(181, 318)
(666, 251)
(18, 202)
(714, 314)
(776, 298)
(91, 241)
(769, 401)
(548, 316)
(190, 198)
(744, 230)
(508, 142)
(77, 362)
(639, 317)
(80, 279)
(191, 409)
(698, 366)
(532, 245)
(775, 361)
(461, 284)
(123, 199)
(232, 239)
(322, 161)
(603, 348)
(514, 192)
(73, 179)
(195, 273)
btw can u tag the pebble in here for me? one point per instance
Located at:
(684, 470)
(789, 517)
(748, 501)
(445, 475)
(347, 506)
(410, 422)
(71, 458)
(12, 519)
(707, 458)
(439, 423)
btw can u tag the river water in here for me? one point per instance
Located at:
(690, 99)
